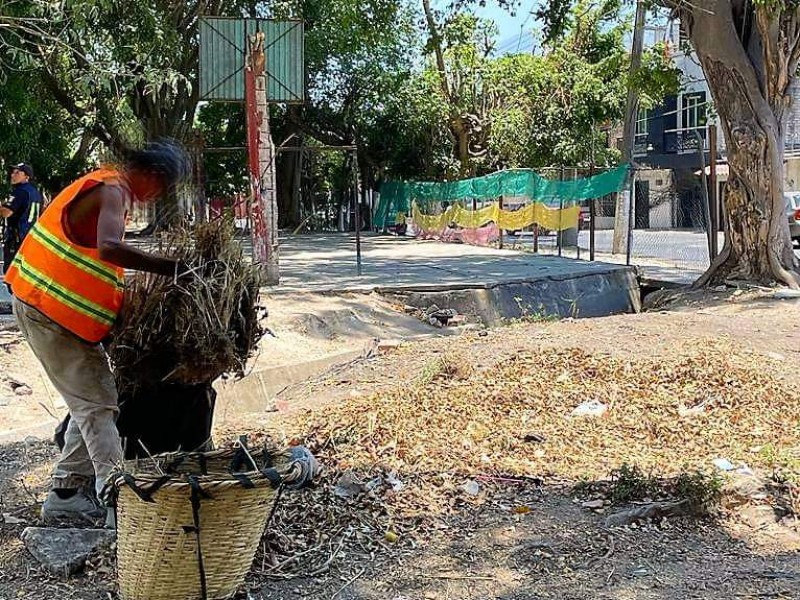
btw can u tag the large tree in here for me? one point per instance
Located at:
(125, 70)
(471, 112)
(749, 51)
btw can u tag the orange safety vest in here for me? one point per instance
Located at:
(69, 283)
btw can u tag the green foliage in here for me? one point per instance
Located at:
(117, 72)
(657, 78)
(555, 16)
(124, 71)
(524, 110)
(701, 490)
(222, 125)
(36, 131)
(630, 484)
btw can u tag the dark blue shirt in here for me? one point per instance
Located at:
(26, 204)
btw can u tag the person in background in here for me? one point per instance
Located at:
(20, 212)
(400, 224)
(67, 280)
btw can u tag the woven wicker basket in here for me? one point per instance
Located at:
(170, 504)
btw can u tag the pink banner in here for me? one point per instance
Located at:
(482, 236)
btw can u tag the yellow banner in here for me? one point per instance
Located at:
(553, 219)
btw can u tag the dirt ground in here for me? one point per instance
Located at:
(555, 548)
(754, 323)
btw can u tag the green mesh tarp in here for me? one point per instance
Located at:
(397, 196)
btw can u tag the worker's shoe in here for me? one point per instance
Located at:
(71, 505)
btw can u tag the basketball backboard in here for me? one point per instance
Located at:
(223, 50)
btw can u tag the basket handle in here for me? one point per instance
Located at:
(196, 493)
(275, 478)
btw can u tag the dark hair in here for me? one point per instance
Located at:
(164, 157)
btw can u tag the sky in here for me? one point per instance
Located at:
(515, 30)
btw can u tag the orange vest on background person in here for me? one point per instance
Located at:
(69, 283)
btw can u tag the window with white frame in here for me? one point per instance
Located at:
(642, 123)
(693, 110)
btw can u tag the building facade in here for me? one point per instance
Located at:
(672, 142)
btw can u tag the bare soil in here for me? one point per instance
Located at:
(487, 547)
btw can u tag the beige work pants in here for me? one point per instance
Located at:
(81, 374)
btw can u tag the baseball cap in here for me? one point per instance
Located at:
(25, 168)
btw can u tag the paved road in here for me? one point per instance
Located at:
(687, 249)
(679, 256)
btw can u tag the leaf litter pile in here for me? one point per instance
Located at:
(399, 464)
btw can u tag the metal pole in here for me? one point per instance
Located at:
(704, 186)
(578, 229)
(631, 205)
(591, 219)
(591, 202)
(560, 216)
(500, 203)
(712, 134)
(357, 205)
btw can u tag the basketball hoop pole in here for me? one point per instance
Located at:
(261, 162)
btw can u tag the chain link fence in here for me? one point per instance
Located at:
(571, 242)
(671, 223)
(668, 221)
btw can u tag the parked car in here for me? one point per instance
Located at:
(793, 214)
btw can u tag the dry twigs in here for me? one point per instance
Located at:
(196, 328)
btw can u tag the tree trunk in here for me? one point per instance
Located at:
(752, 113)
(622, 225)
(285, 163)
(462, 137)
(459, 130)
(758, 246)
(290, 165)
(297, 180)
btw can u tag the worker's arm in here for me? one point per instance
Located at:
(19, 198)
(110, 230)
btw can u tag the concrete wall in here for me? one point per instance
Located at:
(661, 216)
(792, 178)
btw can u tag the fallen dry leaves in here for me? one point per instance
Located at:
(664, 415)
(454, 432)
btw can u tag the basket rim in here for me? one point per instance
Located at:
(169, 479)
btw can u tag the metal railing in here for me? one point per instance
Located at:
(679, 141)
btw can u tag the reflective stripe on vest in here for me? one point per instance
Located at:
(70, 284)
(68, 297)
(33, 212)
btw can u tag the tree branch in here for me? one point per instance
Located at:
(775, 75)
(436, 41)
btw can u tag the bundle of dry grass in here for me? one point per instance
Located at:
(193, 329)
